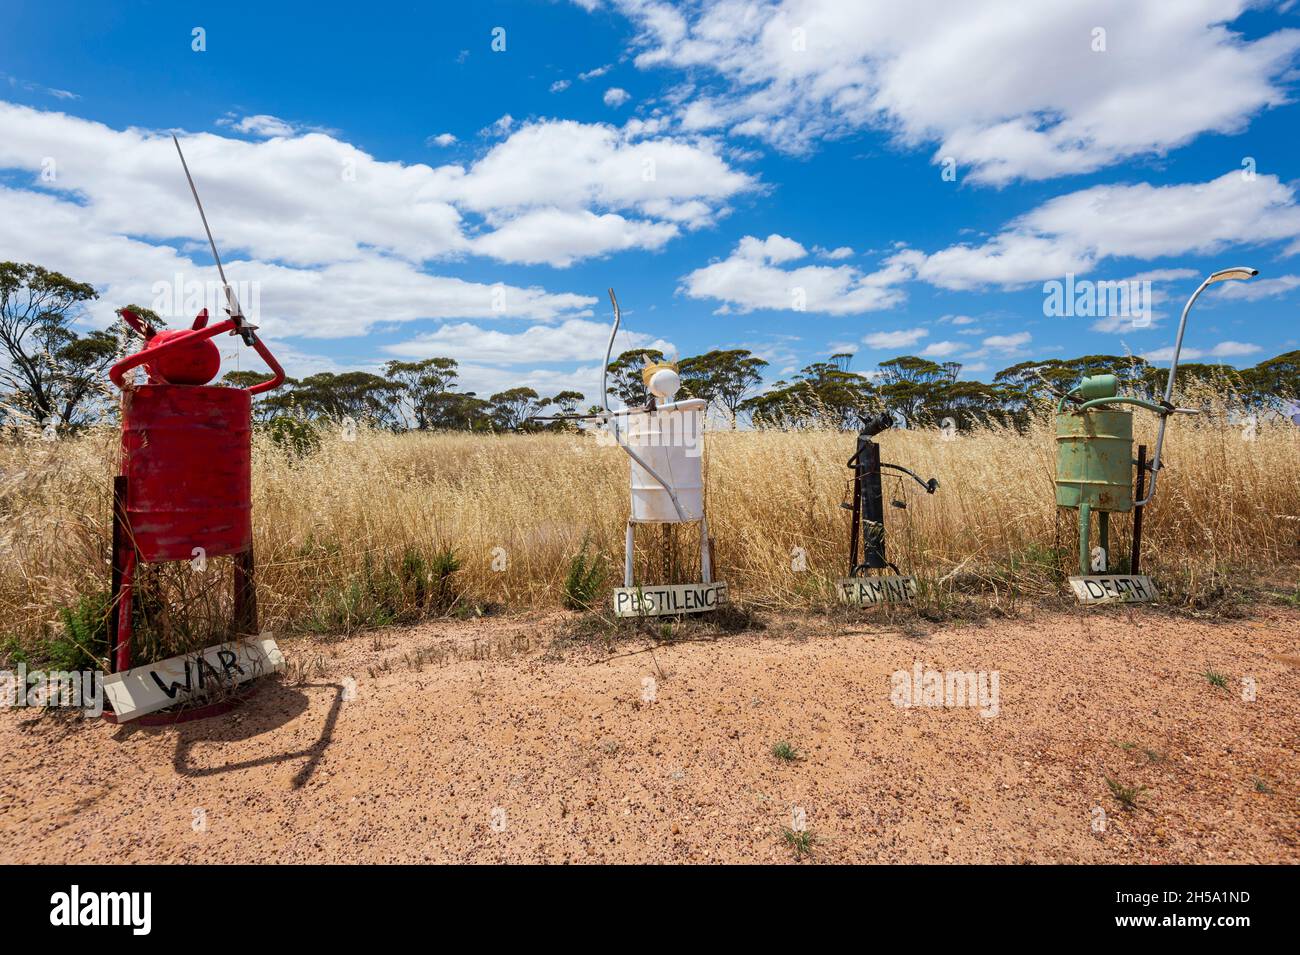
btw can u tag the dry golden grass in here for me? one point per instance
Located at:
(333, 530)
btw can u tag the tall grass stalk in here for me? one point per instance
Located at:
(339, 531)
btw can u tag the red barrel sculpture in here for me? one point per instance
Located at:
(186, 478)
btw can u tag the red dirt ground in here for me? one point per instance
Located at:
(475, 742)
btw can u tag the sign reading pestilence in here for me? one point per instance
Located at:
(156, 686)
(869, 591)
(1115, 588)
(656, 601)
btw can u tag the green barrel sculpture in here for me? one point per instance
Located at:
(1094, 457)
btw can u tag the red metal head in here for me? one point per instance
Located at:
(194, 363)
(186, 357)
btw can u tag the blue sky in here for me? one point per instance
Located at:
(768, 175)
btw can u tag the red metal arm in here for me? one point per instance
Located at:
(117, 374)
(277, 373)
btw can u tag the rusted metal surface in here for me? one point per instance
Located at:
(186, 480)
(867, 536)
(187, 459)
(245, 621)
(867, 526)
(1094, 460)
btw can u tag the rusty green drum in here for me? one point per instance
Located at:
(1094, 460)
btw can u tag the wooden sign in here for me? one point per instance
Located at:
(869, 591)
(156, 686)
(1114, 588)
(668, 598)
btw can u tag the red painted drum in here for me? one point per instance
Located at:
(186, 454)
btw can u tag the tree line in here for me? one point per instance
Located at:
(51, 374)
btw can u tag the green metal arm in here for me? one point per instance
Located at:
(1149, 405)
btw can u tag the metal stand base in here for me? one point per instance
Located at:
(1103, 526)
(125, 560)
(706, 556)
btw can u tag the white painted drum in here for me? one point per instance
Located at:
(671, 441)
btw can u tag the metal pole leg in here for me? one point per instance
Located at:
(126, 594)
(120, 544)
(1103, 531)
(1135, 554)
(245, 620)
(1085, 512)
(627, 557)
(706, 559)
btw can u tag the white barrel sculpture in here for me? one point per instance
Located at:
(668, 439)
(665, 442)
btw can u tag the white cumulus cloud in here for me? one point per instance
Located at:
(1008, 89)
(311, 199)
(616, 96)
(1231, 349)
(1076, 231)
(904, 338)
(751, 278)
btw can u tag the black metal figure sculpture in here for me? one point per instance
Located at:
(868, 502)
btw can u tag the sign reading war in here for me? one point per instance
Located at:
(868, 591)
(666, 599)
(156, 686)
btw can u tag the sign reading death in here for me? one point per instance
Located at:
(156, 686)
(1114, 588)
(676, 598)
(869, 591)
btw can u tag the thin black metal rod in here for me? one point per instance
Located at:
(1135, 552)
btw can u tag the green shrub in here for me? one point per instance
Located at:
(12, 651)
(347, 610)
(413, 572)
(83, 645)
(585, 578)
(442, 569)
(297, 436)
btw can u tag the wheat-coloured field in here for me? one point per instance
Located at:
(349, 536)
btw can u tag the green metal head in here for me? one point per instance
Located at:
(1098, 386)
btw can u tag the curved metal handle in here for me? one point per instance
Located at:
(609, 350)
(613, 418)
(930, 486)
(1117, 400)
(277, 373)
(1239, 272)
(117, 374)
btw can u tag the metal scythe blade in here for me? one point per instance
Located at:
(244, 328)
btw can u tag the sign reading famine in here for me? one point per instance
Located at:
(156, 686)
(668, 598)
(1115, 588)
(869, 591)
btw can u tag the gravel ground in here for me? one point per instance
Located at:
(491, 741)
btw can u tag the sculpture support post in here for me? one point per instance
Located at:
(1085, 513)
(706, 559)
(627, 557)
